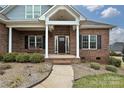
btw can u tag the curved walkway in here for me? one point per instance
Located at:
(62, 76)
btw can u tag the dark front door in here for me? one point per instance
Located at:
(61, 44)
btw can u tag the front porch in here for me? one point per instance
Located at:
(55, 32)
(63, 59)
(61, 56)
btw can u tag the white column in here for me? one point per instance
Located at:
(46, 42)
(77, 41)
(10, 40)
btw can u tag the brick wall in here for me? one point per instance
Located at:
(89, 55)
(19, 41)
(103, 53)
(58, 30)
(3, 38)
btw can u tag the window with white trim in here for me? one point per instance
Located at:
(32, 11)
(93, 41)
(85, 41)
(89, 41)
(35, 41)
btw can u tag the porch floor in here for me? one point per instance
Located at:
(61, 56)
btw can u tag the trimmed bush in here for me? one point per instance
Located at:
(36, 58)
(112, 53)
(115, 62)
(23, 57)
(95, 66)
(111, 68)
(123, 58)
(5, 66)
(9, 57)
(1, 56)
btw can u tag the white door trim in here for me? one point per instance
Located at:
(56, 43)
(66, 44)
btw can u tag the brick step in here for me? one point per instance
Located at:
(64, 61)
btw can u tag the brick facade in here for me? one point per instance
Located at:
(3, 38)
(103, 53)
(58, 30)
(18, 41)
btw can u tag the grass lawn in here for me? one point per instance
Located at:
(100, 81)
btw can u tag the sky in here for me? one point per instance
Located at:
(112, 14)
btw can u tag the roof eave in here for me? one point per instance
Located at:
(95, 27)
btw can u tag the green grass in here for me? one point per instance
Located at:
(100, 81)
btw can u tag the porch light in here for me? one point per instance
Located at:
(51, 28)
(74, 28)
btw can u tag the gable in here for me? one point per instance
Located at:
(58, 8)
(62, 15)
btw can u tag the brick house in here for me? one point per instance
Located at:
(52, 31)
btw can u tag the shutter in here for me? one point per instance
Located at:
(26, 42)
(43, 42)
(80, 41)
(99, 43)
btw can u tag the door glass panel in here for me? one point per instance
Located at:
(61, 39)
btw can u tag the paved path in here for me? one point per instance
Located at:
(62, 76)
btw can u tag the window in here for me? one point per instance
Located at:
(89, 42)
(29, 12)
(32, 41)
(93, 41)
(37, 11)
(35, 41)
(39, 41)
(85, 41)
(32, 11)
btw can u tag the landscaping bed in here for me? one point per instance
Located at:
(23, 75)
(95, 75)
(84, 69)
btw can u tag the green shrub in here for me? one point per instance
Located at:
(95, 66)
(112, 53)
(115, 62)
(36, 58)
(9, 57)
(23, 57)
(5, 66)
(111, 68)
(1, 56)
(123, 58)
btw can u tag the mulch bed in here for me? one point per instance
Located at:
(24, 75)
(83, 69)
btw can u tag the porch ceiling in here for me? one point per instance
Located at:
(62, 15)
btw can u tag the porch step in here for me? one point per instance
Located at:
(62, 61)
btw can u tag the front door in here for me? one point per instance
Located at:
(61, 44)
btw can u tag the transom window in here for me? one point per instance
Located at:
(35, 41)
(89, 41)
(32, 11)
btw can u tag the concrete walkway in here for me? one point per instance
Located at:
(62, 76)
